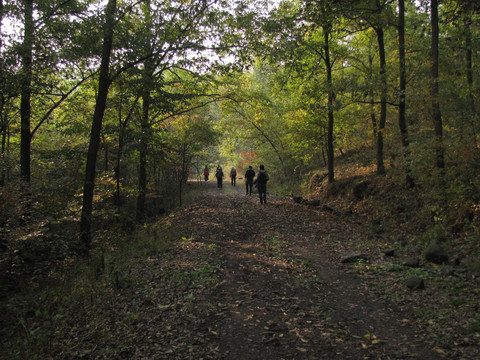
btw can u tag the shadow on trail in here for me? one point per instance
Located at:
(281, 295)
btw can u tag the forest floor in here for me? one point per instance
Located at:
(248, 281)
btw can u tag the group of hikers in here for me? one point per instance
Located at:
(259, 180)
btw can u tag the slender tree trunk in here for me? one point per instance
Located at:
(26, 91)
(182, 174)
(402, 123)
(145, 125)
(3, 116)
(142, 169)
(436, 114)
(383, 100)
(119, 163)
(103, 142)
(469, 64)
(103, 87)
(1, 21)
(371, 91)
(469, 71)
(4, 154)
(331, 99)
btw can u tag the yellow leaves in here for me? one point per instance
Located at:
(371, 339)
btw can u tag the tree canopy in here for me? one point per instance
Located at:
(124, 99)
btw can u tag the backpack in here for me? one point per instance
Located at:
(262, 178)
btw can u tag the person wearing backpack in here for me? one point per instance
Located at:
(206, 173)
(261, 181)
(219, 176)
(249, 176)
(233, 176)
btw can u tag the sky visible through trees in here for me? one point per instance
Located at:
(294, 84)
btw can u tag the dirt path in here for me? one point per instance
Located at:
(273, 288)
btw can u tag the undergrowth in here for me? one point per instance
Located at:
(34, 316)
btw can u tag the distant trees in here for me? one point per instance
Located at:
(341, 68)
(159, 81)
(162, 51)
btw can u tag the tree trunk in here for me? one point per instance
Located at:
(331, 99)
(142, 168)
(383, 100)
(372, 97)
(145, 125)
(26, 91)
(118, 164)
(182, 174)
(436, 114)
(469, 71)
(103, 87)
(4, 155)
(402, 123)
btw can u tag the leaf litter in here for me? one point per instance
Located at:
(244, 281)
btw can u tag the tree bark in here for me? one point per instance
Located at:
(149, 67)
(142, 168)
(402, 123)
(26, 91)
(103, 87)
(383, 100)
(469, 73)
(372, 97)
(331, 99)
(436, 114)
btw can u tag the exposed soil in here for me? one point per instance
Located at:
(248, 281)
(276, 289)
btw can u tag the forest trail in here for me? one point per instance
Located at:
(265, 282)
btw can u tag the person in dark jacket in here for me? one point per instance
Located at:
(233, 176)
(219, 176)
(261, 181)
(249, 176)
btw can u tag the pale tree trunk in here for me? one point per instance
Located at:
(103, 87)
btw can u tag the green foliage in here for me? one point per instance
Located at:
(261, 98)
(205, 275)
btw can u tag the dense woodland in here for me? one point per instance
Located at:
(109, 109)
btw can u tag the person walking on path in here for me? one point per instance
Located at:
(206, 173)
(249, 176)
(262, 178)
(219, 176)
(233, 176)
